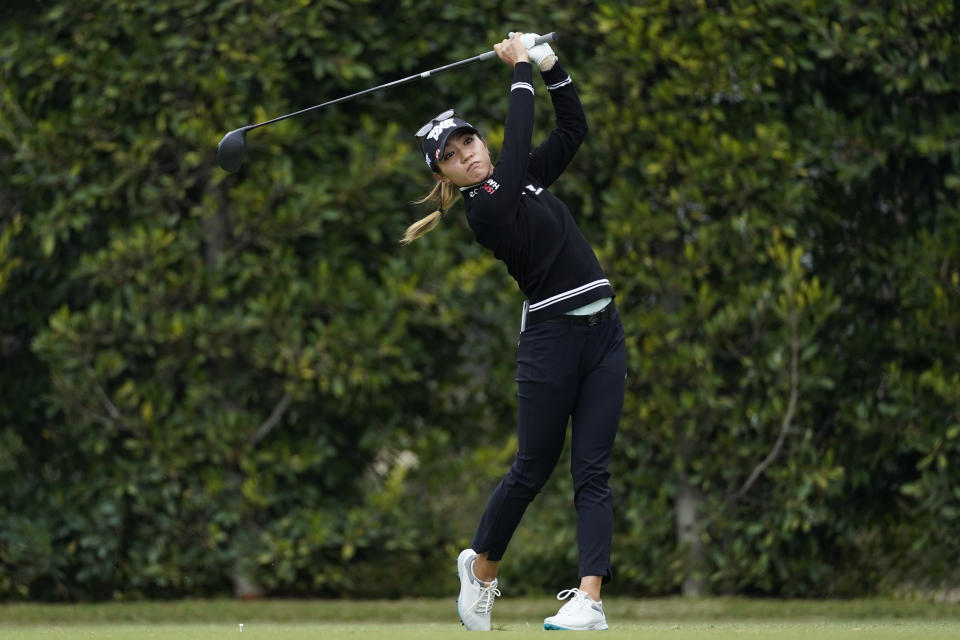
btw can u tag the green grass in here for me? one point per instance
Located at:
(698, 631)
(673, 618)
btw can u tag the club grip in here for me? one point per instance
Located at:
(547, 37)
(489, 55)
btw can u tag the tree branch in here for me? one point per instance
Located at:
(271, 422)
(111, 408)
(788, 416)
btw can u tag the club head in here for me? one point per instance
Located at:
(230, 150)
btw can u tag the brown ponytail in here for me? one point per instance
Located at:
(444, 194)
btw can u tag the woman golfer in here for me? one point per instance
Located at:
(571, 358)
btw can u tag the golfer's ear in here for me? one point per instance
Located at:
(439, 177)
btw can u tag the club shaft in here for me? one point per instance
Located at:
(487, 55)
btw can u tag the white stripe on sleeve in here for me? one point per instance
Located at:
(522, 85)
(562, 83)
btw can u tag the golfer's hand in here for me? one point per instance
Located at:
(512, 51)
(540, 54)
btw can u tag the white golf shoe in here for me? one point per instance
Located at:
(476, 598)
(581, 613)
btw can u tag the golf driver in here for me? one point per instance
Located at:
(231, 147)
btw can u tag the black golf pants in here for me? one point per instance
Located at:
(563, 370)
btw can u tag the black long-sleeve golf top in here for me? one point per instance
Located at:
(525, 226)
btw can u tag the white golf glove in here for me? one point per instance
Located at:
(540, 54)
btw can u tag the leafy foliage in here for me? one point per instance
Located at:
(212, 376)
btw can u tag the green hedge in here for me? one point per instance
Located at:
(211, 378)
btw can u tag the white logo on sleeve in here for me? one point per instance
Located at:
(439, 128)
(535, 190)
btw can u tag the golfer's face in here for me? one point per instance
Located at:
(465, 160)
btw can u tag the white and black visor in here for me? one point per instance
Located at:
(433, 135)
